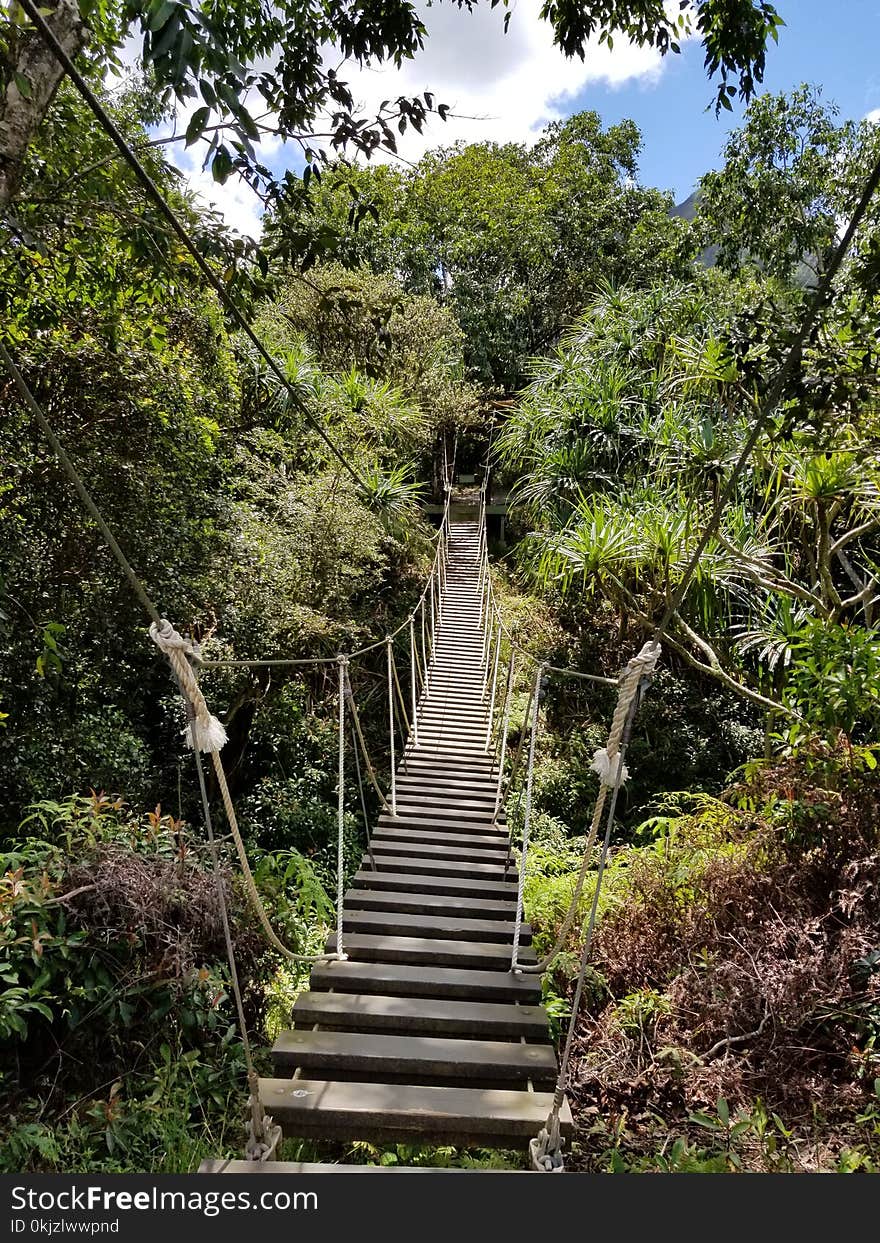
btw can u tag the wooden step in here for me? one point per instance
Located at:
(400, 1113)
(426, 803)
(373, 1054)
(460, 824)
(446, 1017)
(445, 759)
(409, 849)
(429, 904)
(440, 783)
(458, 886)
(423, 759)
(449, 927)
(406, 980)
(478, 841)
(436, 867)
(451, 777)
(426, 951)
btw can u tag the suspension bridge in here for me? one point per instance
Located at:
(424, 1033)
(423, 1021)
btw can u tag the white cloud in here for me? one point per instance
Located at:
(499, 87)
(873, 116)
(235, 200)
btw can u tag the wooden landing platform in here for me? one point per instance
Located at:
(425, 1035)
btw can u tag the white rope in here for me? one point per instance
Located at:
(505, 726)
(340, 814)
(424, 651)
(391, 726)
(433, 619)
(517, 927)
(412, 681)
(545, 1150)
(481, 584)
(493, 693)
(607, 763)
(484, 654)
(263, 1134)
(203, 736)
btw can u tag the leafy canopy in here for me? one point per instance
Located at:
(510, 238)
(246, 69)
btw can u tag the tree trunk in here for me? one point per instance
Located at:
(30, 64)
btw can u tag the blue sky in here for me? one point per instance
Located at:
(819, 44)
(506, 87)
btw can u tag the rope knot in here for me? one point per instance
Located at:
(169, 640)
(545, 1150)
(204, 732)
(638, 669)
(644, 662)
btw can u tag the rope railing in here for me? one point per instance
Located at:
(440, 559)
(546, 1148)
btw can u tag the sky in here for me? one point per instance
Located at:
(506, 87)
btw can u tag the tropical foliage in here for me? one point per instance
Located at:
(538, 297)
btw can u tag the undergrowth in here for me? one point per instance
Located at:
(732, 1017)
(117, 1034)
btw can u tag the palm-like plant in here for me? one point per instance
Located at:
(282, 399)
(393, 495)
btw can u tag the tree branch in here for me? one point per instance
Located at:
(756, 570)
(854, 534)
(716, 670)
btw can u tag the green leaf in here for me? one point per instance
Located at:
(196, 127)
(161, 14)
(221, 166)
(163, 45)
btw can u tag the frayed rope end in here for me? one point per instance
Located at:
(205, 735)
(606, 768)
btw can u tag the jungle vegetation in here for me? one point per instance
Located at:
(541, 291)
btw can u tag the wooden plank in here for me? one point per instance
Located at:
(440, 852)
(450, 927)
(489, 851)
(407, 980)
(429, 904)
(426, 951)
(496, 840)
(420, 759)
(453, 824)
(402, 1112)
(454, 886)
(439, 782)
(412, 802)
(365, 1012)
(426, 1056)
(435, 867)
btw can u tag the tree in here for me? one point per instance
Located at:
(623, 440)
(791, 174)
(512, 239)
(254, 69)
(222, 497)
